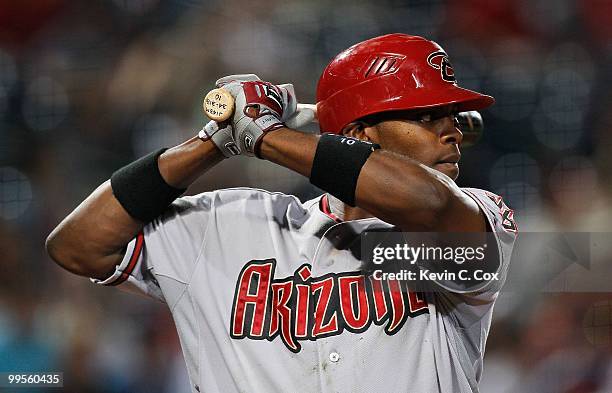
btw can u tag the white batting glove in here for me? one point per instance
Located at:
(221, 136)
(225, 136)
(304, 115)
(260, 107)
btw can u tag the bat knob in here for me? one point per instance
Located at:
(471, 126)
(218, 105)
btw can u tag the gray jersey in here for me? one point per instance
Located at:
(268, 296)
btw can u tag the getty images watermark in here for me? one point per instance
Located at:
(424, 255)
(458, 260)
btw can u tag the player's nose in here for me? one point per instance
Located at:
(450, 134)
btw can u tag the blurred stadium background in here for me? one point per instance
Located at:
(87, 86)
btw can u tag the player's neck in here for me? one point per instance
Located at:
(346, 212)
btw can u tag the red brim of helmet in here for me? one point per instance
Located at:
(463, 99)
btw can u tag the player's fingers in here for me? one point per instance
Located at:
(234, 88)
(289, 100)
(305, 114)
(238, 77)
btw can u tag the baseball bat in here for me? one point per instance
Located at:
(471, 126)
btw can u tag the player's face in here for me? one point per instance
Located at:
(430, 137)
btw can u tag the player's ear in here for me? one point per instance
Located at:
(359, 130)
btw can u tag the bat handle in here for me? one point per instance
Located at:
(471, 126)
(218, 105)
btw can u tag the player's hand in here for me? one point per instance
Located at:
(260, 107)
(294, 115)
(222, 134)
(304, 115)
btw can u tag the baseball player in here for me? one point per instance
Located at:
(266, 292)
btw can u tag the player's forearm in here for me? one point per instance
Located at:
(181, 165)
(391, 187)
(289, 148)
(91, 239)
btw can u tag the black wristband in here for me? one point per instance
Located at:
(141, 190)
(337, 164)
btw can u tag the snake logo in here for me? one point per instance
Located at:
(439, 61)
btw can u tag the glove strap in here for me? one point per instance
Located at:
(221, 137)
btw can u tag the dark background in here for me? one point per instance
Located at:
(87, 86)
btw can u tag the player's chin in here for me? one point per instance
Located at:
(450, 169)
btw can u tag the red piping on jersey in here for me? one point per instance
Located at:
(133, 260)
(324, 206)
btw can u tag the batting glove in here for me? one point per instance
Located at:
(222, 136)
(260, 107)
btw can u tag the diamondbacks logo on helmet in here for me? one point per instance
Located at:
(439, 61)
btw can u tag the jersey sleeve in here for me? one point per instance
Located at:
(159, 261)
(467, 313)
(503, 228)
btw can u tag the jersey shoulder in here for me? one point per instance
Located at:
(499, 215)
(256, 202)
(231, 195)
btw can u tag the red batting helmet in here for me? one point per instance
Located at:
(387, 73)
